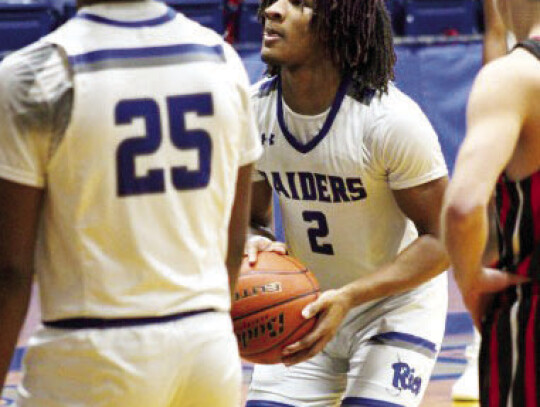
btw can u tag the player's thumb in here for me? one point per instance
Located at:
(325, 300)
(311, 310)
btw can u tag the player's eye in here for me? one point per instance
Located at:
(297, 3)
(266, 4)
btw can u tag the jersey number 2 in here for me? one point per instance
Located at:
(321, 230)
(129, 183)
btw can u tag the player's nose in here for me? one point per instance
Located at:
(275, 11)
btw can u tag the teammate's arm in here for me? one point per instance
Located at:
(239, 223)
(495, 117)
(262, 239)
(19, 214)
(261, 206)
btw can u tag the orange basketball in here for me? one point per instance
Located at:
(267, 306)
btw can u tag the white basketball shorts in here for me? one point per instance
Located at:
(381, 356)
(190, 362)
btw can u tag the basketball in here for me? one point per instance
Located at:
(267, 306)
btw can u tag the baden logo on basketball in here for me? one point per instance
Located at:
(270, 326)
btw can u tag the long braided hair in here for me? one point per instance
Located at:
(357, 35)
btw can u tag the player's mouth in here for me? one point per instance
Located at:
(271, 35)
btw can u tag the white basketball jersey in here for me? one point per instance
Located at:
(335, 185)
(139, 190)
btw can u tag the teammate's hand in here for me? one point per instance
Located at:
(256, 244)
(479, 293)
(330, 308)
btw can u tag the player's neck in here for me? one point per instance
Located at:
(84, 3)
(526, 27)
(310, 91)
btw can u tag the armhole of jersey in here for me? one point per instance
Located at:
(64, 105)
(533, 46)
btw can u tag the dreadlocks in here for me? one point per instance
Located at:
(357, 35)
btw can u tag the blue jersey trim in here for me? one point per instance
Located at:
(17, 359)
(306, 148)
(165, 18)
(390, 337)
(106, 323)
(266, 403)
(366, 402)
(266, 87)
(147, 52)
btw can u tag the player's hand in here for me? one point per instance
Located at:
(330, 308)
(256, 244)
(478, 294)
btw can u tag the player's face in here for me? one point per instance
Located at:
(288, 40)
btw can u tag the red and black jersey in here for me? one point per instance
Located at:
(518, 208)
(510, 351)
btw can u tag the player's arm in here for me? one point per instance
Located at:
(261, 237)
(422, 260)
(261, 208)
(495, 116)
(19, 214)
(239, 223)
(407, 148)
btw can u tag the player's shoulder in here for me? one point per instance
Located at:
(195, 33)
(28, 54)
(198, 32)
(514, 70)
(28, 66)
(395, 117)
(395, 106)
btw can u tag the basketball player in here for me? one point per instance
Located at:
(501, 154)
(127, 148)
(360, 178)
(497, 41)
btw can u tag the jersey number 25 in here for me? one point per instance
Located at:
(128, 182)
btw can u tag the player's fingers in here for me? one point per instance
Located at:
(322, 330)
(300, 345)
(318, 305)
(305, 354)
(277, 247)
(254, 245)
(496, 280)
(252, 252)
(311, 309)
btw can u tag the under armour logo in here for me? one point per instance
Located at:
(270, 139)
